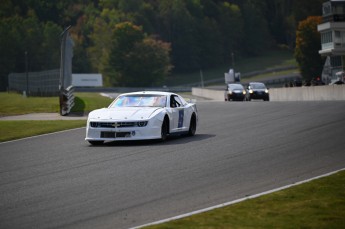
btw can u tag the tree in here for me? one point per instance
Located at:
(179, 28)
(308, 43)
(304, 8)
(231, 25)
(278, 15)
(257, 36)
(136, 60)
(148, 64)
(201, 33)
(211, 50)
(8, 53)
(51, 42)
(102, 29)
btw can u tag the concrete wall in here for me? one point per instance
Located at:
(314, 93)
(208, 93)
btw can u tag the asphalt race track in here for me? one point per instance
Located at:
(241, 148)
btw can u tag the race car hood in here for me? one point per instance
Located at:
(124, 113)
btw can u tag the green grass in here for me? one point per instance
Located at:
(16, 104)
(271, 59)
(316, 204)
(269, 75)
(11, 130)
(85, 102)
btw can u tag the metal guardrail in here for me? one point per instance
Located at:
(66, 100)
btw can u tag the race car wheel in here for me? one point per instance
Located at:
(164, 130)
(96, 143)
(192, 126)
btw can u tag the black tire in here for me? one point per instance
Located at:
(96, 143)
(192, 126)
(164, 130)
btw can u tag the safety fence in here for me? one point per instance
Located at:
(56, 82)
(44, 83)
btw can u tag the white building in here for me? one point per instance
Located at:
(332, 30)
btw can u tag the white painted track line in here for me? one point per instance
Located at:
(236, 201)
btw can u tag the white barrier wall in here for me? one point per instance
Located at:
(313, 93)
(208, 93)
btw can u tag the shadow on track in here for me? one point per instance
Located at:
(171, 140)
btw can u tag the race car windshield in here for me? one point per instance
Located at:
(140, 101)
(235, 87)
(258, 86)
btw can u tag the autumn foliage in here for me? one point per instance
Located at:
(308, 44)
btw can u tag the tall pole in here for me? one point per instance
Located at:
(202, 79)
(233, 60)
(26, 73)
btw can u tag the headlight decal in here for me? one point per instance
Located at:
(117, 124)
(142, 123)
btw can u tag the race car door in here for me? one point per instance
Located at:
(177, 114)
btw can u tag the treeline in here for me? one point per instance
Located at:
(187, 35)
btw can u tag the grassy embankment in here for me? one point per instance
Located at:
(16, 104)
(271, 59)
(316, 204)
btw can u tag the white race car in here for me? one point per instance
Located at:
(140, 116)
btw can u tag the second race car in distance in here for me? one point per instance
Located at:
(234, 91)
(257, 90)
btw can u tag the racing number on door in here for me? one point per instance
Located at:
(180, 118)
(178, 111)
